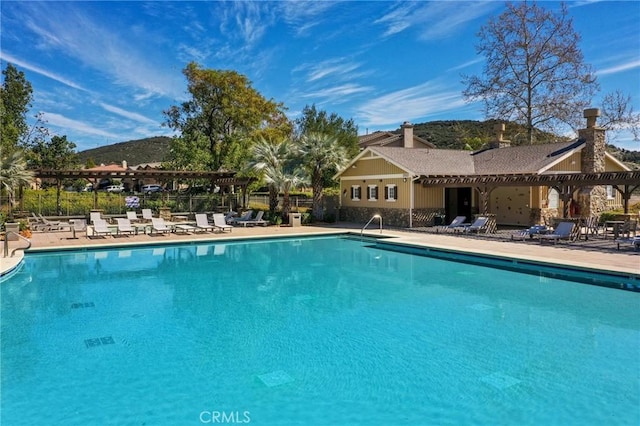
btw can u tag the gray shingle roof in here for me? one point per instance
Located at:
(509, 160)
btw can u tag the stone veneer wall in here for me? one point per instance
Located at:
(592, 199)
(391, 217)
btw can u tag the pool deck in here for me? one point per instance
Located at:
(598, 254)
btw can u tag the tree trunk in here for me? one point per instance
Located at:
(273, 200)
(317, 210)
(286, 207)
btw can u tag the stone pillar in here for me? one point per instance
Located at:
(592, 199)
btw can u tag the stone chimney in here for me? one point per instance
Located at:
(124, 164)
(592, 199)
(407, 134)
(499, 142)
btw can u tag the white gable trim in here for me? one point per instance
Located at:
(370, 154)
(559, 160)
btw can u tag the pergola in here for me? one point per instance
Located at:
(221, 179)
(565, 183)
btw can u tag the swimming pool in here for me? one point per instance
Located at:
(314, 331)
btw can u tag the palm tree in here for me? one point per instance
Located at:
(321, 154)
(13, 175)
(277, 162)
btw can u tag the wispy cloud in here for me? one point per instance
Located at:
(338, 92)
(304, 15)
(339, 68)
(620, 67)
(67, 124)
(466, 64)
(98, 46)
(408, 104)
(34, 68)
(432, 20)
(127, 114)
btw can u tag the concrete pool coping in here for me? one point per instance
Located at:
(562, 254)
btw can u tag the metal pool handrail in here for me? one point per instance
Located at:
(6, 243)
(375, 216)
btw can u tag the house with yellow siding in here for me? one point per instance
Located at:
(389, 179)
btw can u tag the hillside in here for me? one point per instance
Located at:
(148, 150)
(453, 134)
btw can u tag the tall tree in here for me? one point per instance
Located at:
(13, 175)
(321, 154)
(222, 116)
(534, 72)
(280, 166)
(15, 101)
(313, 120)
(618, 114)
(58, 153)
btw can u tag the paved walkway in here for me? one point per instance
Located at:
(598, 253)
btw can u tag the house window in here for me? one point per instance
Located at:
(391, 192)
(373, 192)
(554, 198)
(610, 194)
(355, 193)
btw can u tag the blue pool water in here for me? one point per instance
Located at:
(318, 331)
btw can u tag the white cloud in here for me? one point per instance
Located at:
(34, 68)
(336, 93)
(409, 104)
(620, 67)
(128, 114)
(68, 124)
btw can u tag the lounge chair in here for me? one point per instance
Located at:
(256, 220)
(100, 227)
(147, 215)
(220, 223)
(158, 226)
(564, 231)
(124, 227)
(202, 223)
(529, 233)
(245, 217)
(93, 216)
(132, 216)
(478, 225)
(455, 224)
(634, 241)
(54, 225)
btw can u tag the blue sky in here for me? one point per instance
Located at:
(103, 72)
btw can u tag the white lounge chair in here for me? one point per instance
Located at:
(245, 217)
(124, 227)
(257, 220)
(563, 231)
(220, 223)
(93, 216)
(456, 223)
(147, 215)
(202, 223)
(478, 225)
(158, 226)
(132, 216)
(100, 227)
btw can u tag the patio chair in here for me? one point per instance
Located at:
(132, 216)
(124, 227)
(257, 220)
(455, 224)
(245, 217)
(36, 223)
(633, 241)
(147, 215)
(54, 225)
(564, 231)
(530, 232)
(158, 226)
(202, 223)
(100, 227)
(220, 223)
(93, 216)
(478, 225)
